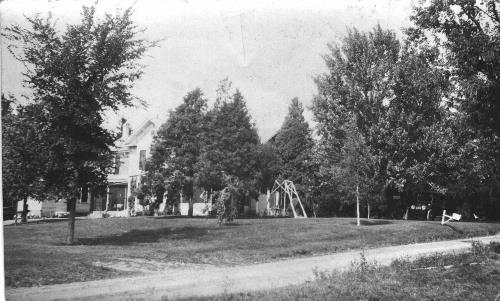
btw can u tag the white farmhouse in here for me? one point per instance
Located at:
(132, 150)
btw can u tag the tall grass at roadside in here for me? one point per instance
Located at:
(474, 275)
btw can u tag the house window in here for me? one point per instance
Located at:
(117, 164)
(84, 194)
(142, 160)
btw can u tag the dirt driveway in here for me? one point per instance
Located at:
(215, 280)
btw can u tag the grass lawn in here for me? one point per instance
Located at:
(35, 253)
(469, 276)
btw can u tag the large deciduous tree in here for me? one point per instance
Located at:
(469, 32)
(23, 156)
(416, 110)
(408, 128)
(359, 80)
(355, 89)
(76, 76)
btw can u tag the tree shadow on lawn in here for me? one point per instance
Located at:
(372, 222)
(41, 221)
(147, 236)
(454, 228)
(180, 217)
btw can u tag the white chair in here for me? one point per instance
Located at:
(448, 218)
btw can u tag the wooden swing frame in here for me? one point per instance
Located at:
(285, 190)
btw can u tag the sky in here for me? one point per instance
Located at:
(270, 50)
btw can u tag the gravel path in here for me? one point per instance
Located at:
(216, 280)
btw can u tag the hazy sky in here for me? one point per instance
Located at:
(270, 50)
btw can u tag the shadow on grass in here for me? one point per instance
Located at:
(372, 222)
(179, 217)
(214, 218)
(454, 228)
(42, 221)
(147, 236)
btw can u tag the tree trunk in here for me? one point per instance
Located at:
(71, 221)
(357, 206)
(24, 214)
(92, 200)
(368, 210)
(190, 210)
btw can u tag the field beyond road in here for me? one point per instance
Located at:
(113, 247)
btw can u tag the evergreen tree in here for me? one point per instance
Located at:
(178, 144)
(294, 145)
(230, 148)
(211, 149)
(269, 166)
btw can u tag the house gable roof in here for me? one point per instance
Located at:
(138, 133)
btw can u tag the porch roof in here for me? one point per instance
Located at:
(117, 179)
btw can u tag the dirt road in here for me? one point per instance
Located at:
(216, 280)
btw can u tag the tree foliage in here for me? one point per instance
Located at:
(230, 146)
(469, 33)
(294, 146)
(357, 174)
(176, 149)
(268, 166)
(471, 37)
(356, 89)
(76, 76)
(414, 114)
(211, 148)
(23, 157)
(359, 80)
(417, 143)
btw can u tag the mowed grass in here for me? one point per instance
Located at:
(35, 254)
(465, 276)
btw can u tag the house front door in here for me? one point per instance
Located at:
(117, 197)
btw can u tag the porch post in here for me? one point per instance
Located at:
(107, 198)
(127, 194)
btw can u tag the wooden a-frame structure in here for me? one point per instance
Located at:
(284, 191)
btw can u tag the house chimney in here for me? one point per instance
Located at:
(127, 130)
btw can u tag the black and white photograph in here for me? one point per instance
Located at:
(250, 150)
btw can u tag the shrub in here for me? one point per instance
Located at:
(225, 207)
(131, 203)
